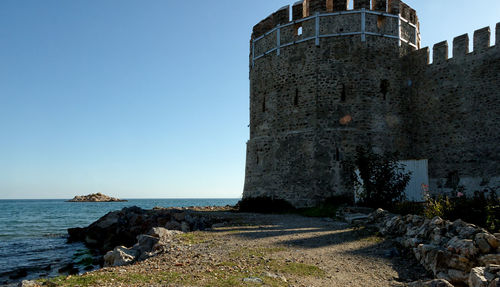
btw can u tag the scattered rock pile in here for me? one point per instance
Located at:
(121, 228)
(96, 197)
(148, 245)
(457, 252)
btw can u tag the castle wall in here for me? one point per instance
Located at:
(456, 112)
(331, 79)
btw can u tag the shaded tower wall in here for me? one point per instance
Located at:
(456, 111)
(321, 84)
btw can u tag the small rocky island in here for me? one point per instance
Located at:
(96, 197)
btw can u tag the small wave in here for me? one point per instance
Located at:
(55, 235)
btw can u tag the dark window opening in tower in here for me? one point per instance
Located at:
(263, 104)
(296, 98)
(337, 154)
(384, 88)
(381, 22)
(343, 94)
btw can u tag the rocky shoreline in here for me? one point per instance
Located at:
(455, 252)
(96, 197)
(215, 246)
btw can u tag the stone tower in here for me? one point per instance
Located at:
(324, 82)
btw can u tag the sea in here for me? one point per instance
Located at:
(33, 233)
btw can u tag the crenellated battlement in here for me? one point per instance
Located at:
(315, 20)
(460, 49)
(306, 8)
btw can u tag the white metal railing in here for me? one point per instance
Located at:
(317, 36)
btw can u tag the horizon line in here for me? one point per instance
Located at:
(125, 198)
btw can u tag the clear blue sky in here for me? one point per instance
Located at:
(143, 98)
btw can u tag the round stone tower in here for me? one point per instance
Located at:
(321, 84)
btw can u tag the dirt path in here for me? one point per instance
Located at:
(268, 250)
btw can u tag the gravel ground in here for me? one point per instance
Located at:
(267, 250)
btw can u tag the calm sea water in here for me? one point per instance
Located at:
(33, 232)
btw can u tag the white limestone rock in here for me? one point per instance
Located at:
(119, 256)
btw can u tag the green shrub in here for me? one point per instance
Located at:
(482, 209)
(383, 179)
(440, 206)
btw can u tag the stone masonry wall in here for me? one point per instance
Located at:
(456, 112)
(314, 97)
(311, 105)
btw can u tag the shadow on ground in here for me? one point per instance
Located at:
(305, 233)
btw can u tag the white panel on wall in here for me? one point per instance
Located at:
(419, 179)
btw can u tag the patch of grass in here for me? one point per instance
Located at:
(260, 265)
(100, 278)
(236, 279)
(373, 238)
(196, 237)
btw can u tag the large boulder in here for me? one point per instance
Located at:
(463, 229)
(148, 245)
(486, 242)
(114, 229)
(394, 226)
(28, 283)
(489, 259)
(464, 247)
(119, 256)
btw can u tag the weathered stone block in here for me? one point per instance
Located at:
(263, 26)
(497, 37)
(297, 10)
(482, 242)
(413, 16)
(458, 276)
(460, 46)
(476, 278)
(440, 52)
(340, 5)
(394, 6)
(489, 259)
(405, 10)
(380, 5)
(282, 16)
(316, 6)
(358, 4)
(482, 39)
